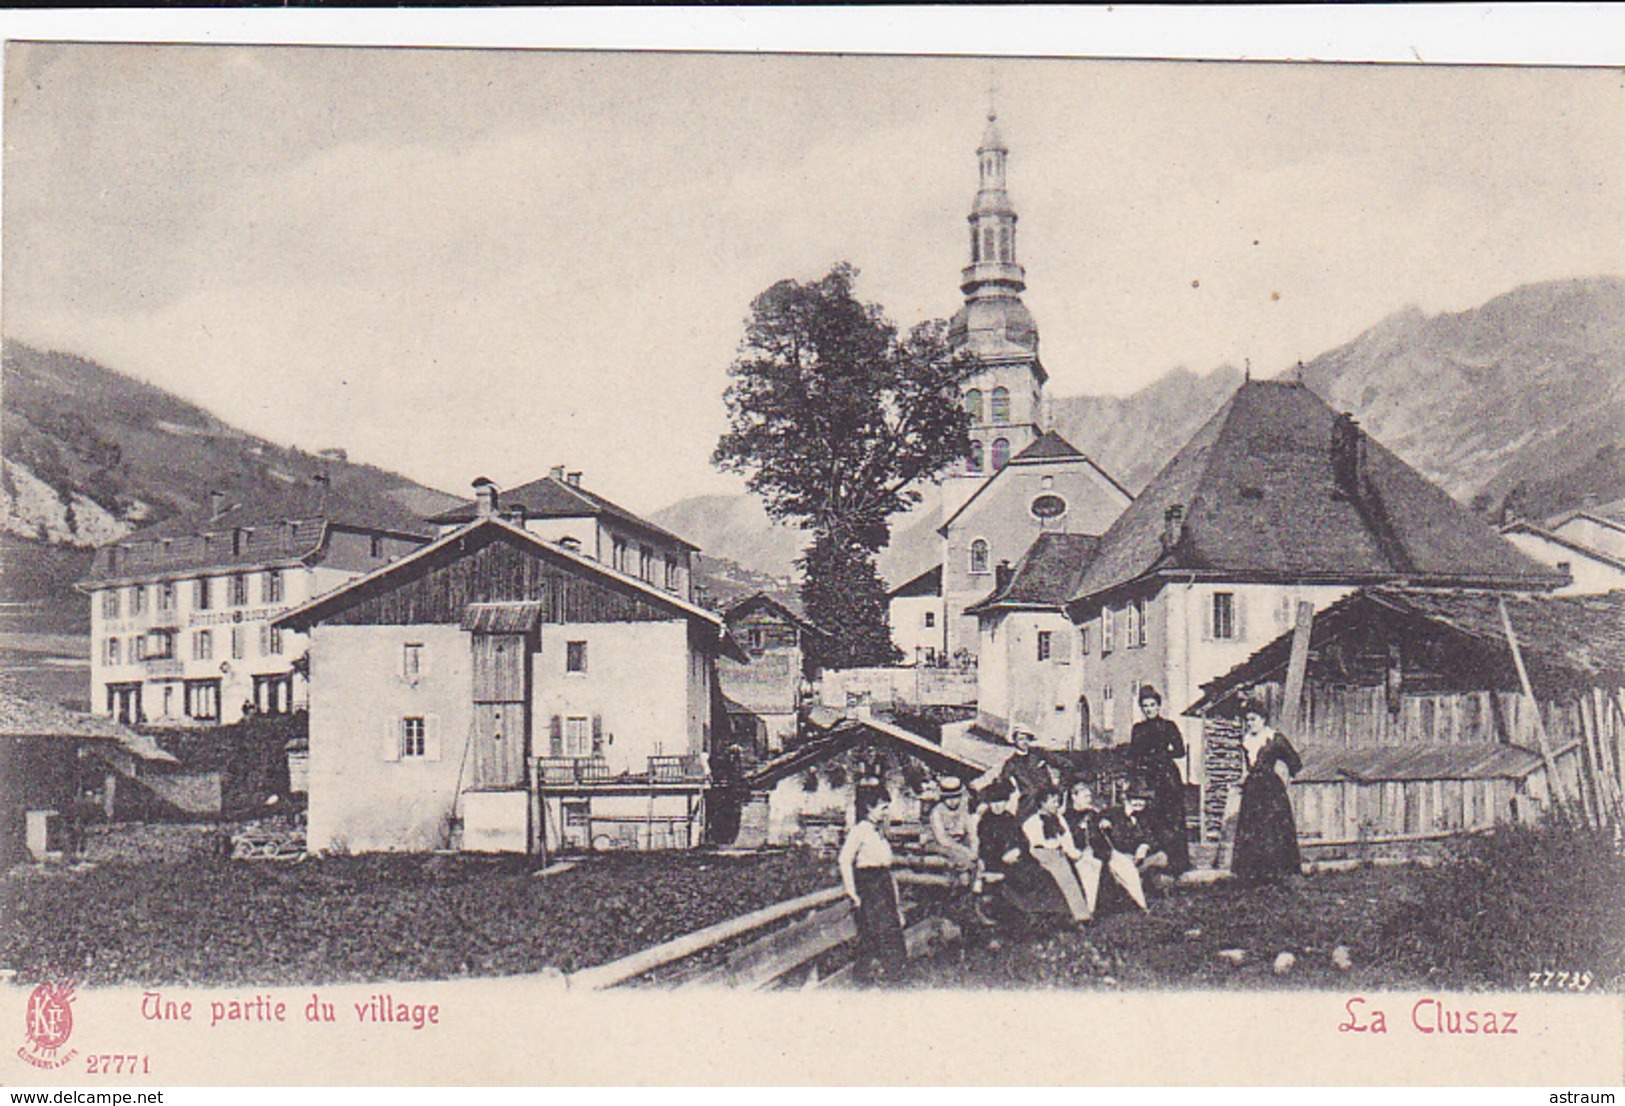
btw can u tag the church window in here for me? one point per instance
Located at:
(973, 404)
(987, 244)
(1001, 405)
(976, 461)
(1001, 453)
(978, 557)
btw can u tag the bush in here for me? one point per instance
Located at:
(252, 757)
(1511, 902)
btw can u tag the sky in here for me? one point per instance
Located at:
(465, 262)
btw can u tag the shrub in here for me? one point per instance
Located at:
(1517, 900)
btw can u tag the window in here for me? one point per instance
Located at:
(110, 651)
(1083, 639)
(646, 564)
(239, 590)
(930, 619)
(1001, 405)
(414, 738)
(138, 648)
(276, 640)
(271, 586)
(201, 593)
(1001, 453)
(203, 645)
(1106, 721)
(160, 646)
(166, 597)
(237, 541)
(988, 252)
(673, 577)
(110, 604)
(1108, 631)
(1224, 616)
(578, 737)
(239, 641)
(978, 557)
(618, 554)
(973, 404)
(377, 542)
(575, 656)
(1133, 629)
(138, 599)
(1044, 644)
(412, 662)
(976, 458)
(203, 699)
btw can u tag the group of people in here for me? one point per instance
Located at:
(1035, 843)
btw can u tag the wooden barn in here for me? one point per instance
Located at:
(1426, 714)
(766, 693)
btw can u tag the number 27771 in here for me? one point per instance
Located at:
(1559, 981)
(116, 1064)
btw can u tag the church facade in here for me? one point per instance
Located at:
(1021, 478)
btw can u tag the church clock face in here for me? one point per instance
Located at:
(1048, 506)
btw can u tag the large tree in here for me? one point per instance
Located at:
(836, 419)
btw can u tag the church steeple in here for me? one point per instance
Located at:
(1005, 396)
(993, 268)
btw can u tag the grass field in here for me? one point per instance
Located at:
(161, 906)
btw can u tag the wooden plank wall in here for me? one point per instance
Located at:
(1345, 811)
(500, 571)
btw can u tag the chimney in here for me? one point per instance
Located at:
(1173, 526)
(217, 503)
(485, 496)
(573, 479)
(1348, 457)
(1002, 573)
(514, 515)
(556, 472)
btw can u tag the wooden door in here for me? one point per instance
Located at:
(501, 736)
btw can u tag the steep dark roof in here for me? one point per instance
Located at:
(1261, 501)
(928, 582)
(1047, 448)
(254, 526)
(551, 497)
(1580, 635)
(1046, 577)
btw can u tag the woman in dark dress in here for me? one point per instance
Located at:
(1013, 878)
(1156, 747)
(1266, 832)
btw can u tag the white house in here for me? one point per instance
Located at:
(1276, 499)
(503, 692)
(181, 612)
(1590, 547)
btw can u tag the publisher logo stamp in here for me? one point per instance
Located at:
(48, 1022)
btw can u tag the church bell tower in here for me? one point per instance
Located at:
(1005, 396)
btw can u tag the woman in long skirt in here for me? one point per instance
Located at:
(1266, 832)
(1155, 745)
(865, 861)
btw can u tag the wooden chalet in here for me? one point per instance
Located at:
(1417, 724)
(498, 691)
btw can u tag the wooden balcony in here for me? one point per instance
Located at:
(585, 773)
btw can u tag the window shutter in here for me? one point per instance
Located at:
(1062, 646)
(431, 737)
(1240, 602)
(555, 736)
(392, 739)
(1206, 603)
(597, 735)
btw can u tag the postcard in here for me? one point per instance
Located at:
(543, 566)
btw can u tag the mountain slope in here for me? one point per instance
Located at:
(90, 453)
